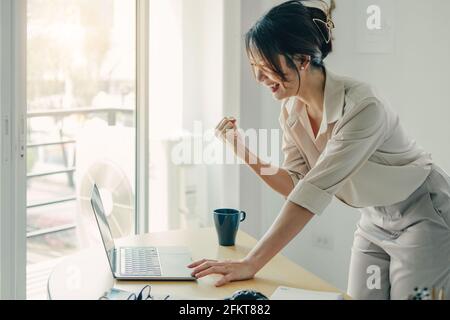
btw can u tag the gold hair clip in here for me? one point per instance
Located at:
(329, 24)
(327, 9)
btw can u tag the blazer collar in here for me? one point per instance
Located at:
(334, 97)
(333, 104)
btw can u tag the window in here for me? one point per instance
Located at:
(81, 103)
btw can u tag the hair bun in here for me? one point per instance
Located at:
(321, 13)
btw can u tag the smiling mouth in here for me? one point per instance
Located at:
(274, 87)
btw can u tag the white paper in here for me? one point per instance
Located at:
(287, 293)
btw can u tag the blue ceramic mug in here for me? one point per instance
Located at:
(227, 224)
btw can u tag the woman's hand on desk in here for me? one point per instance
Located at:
(231, 270)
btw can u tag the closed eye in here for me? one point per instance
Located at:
(263, 68)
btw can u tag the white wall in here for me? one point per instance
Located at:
(411, 73)
(211, 53)
(250, 117)
(231, 88)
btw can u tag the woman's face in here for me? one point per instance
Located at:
(264, 75)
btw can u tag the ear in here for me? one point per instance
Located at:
(302, 61)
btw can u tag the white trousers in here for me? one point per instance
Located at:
(407, 245)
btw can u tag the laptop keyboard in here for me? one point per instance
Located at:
(140, 262)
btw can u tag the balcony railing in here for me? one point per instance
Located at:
(111, 114)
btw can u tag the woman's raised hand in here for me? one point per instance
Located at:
(227, 130)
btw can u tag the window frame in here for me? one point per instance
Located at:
(13, 39)
(142, 120)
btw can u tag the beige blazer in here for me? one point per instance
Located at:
(361, 154)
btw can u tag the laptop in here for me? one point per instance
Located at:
(140, 263)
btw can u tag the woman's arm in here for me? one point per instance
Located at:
(276, 178)
(288, 224)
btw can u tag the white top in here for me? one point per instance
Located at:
(361, 154)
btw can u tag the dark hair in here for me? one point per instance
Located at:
(289, 30)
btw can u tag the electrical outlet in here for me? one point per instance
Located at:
(322, 241)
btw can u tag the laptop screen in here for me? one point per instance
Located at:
(103, 226)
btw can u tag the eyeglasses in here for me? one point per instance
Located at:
(144, 294)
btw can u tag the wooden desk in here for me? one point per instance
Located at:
(86, 275)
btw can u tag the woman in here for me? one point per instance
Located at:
(340, 139)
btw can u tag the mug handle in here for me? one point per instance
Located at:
(244, 215)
